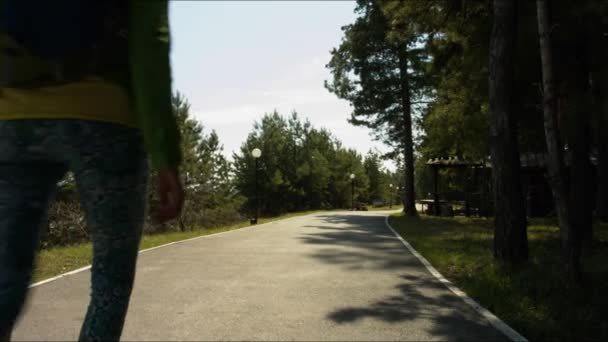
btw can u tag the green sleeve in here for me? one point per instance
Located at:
(151, 81)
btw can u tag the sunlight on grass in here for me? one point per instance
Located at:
(58, 260)
(54, 261)
(534, 300)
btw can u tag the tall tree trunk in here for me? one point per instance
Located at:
(599, 82)
(581, 204)
(602, 156)
(580, 208)
(581, 178)
(601, 125)
(510, 235)
(409, 199)
(555, 159)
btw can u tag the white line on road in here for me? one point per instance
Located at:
(60, 276)
(165, 245)
(492, 319)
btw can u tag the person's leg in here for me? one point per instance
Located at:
(25, 190)
(111, 174)
(27, 179)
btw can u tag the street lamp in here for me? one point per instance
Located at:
(352, 191)
(298, 142)
(391, 191)
(397, 193)
(256, 153)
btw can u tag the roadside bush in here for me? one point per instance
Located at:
(66, 225)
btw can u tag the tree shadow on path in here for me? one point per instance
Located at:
(356, 242)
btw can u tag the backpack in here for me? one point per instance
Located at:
(44, 42)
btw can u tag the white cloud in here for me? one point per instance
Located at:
(313, 69)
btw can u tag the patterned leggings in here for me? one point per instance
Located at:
(110, 168)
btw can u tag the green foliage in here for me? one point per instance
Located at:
(379, 179)
(301, 168)
(455, 45)
(377, 183)
(366, 72)
(206, 175)
(381, 68)
(66, 222)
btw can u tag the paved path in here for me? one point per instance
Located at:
(333, 276)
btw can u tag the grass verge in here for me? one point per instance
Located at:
(535, 300)
(54, 261)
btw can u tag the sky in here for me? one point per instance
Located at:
(236, 60)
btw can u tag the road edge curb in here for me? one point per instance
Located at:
(496, 322)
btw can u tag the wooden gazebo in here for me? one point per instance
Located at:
(451, 163)
(533, 171)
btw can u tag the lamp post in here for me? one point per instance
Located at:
(397, 194)
(256, 153)
(390, 204)
(352, 191)
(298, 143)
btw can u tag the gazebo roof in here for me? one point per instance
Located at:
(528, 160)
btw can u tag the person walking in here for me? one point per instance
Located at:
(85, 86)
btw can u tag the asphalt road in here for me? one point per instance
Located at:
(333, 276)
